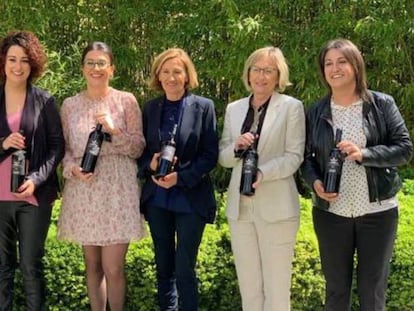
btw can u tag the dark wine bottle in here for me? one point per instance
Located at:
(18, 169)
(92, 149)
(334, 167)
(166, 159)
(249, 171)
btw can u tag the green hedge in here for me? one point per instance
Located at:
(218, 283)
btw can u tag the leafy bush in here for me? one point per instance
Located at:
(219, 36)
(217, 277)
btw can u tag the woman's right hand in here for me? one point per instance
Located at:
(244, 141)
(320, 191)
(14, 140)
(154, 161)
(77, 172)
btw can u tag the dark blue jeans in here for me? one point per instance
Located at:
(28, 225)
(176, 238)
(372, 237)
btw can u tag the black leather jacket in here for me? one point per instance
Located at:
(388, 145)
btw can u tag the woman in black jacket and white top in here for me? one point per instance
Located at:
(363, 215)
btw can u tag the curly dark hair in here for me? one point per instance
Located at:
(31, 46)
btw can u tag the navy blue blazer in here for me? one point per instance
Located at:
(197, 152)
(45, 144)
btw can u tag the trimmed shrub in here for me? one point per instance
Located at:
(65, 270)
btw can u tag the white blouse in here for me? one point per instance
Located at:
(353, 197)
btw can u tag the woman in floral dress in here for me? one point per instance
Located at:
(100, 210)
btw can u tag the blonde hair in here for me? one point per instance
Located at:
(159, 61)
(277, 57)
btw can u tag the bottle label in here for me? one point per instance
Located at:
(333, 165)
(168, 152)
(93, 147)
(249, 165)
(18, 163)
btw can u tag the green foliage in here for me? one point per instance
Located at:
(65, 270)
(219, 35)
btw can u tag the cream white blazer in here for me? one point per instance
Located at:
(281, 148)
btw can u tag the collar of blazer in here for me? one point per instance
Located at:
(184, 130)
(271, 117)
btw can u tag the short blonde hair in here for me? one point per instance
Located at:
(154, 82)
(279, 60)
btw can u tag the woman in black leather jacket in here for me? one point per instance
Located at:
(362, 216)
(29, 120)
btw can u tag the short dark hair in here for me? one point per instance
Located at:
(31, 46)
(354, 57)
(98, 46)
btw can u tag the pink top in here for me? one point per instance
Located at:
(5, 166)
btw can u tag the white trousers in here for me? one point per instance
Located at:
(263, 254)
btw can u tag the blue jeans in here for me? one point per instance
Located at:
(176, 238)
(27, 224)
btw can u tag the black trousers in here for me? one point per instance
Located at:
(372, 236)
(176, 238)
(25, 227)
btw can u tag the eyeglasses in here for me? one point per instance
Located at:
(268, 71)
(90, 64)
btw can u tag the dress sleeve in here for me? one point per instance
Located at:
(131, 141)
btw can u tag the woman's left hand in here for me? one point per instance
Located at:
(25, 190)
(105, 119)
(258, 179)
(167, 181)
(352, 151)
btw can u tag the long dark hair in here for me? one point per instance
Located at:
(354, 57)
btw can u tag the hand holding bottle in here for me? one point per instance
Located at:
(244, 141)
(154, 161)
(14, 140)
(25, 190)
(259, 178)
(167, 181)
(320, 191)
(352, 151)
(104, 118)
(78, 173)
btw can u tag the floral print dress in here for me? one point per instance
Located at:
(105, 210)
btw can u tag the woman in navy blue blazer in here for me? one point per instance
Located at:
(178, 206)
(29, 120)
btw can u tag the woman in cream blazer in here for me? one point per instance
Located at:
(263, 226)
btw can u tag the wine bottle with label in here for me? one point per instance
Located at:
(18, 169)
(249, 171)
(166, 160)
(92, 149)
(333, 171)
